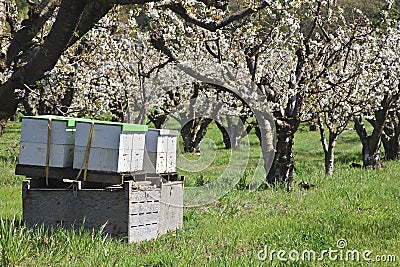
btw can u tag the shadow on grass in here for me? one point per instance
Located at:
(347, 157)
(346, 139)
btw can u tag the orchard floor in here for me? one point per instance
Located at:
(354, 213)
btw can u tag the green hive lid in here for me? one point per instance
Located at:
(126, 127)
(72, 121)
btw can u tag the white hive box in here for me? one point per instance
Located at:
(115, 147)
(160, 156)
(171, 154)
(34, 139)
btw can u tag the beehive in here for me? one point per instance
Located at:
(160, 151)
(36, 135)
(112, 147)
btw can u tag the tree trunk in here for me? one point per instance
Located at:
(312, 126)
(2, 127)
(282, 169)
(371, 156)
(330, 154)
(287, 124)
(157, 117)
(391, 137)
(233, 133)
(392, 148)
(193, 132)
(225, 135)
(370, 144)
(328, 147)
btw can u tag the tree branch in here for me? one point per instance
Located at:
(37, 18)
(124, 2)
(209, 49)
(361, 131)
(179, 9)
(223, 4)
(156, 68)
(43, 58)
(93, 12)
(323, 136)
(159, 43)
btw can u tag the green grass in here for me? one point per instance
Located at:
(9, 149)
(362, 207)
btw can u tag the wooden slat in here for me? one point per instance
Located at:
(140, 233)
(144, 208)
(171, 207)
(92, 176)
(69, 173)
(56, 207)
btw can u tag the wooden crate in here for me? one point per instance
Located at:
(133, 211)
(171, 207)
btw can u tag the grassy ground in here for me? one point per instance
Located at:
(360, 207)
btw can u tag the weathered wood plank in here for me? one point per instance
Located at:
(140, 233)
(69, 173)
(126, 212)
(144, 208)
(71, 207)
(171, 207)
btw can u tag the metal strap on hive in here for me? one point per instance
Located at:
(85, 162)
(49, 125)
